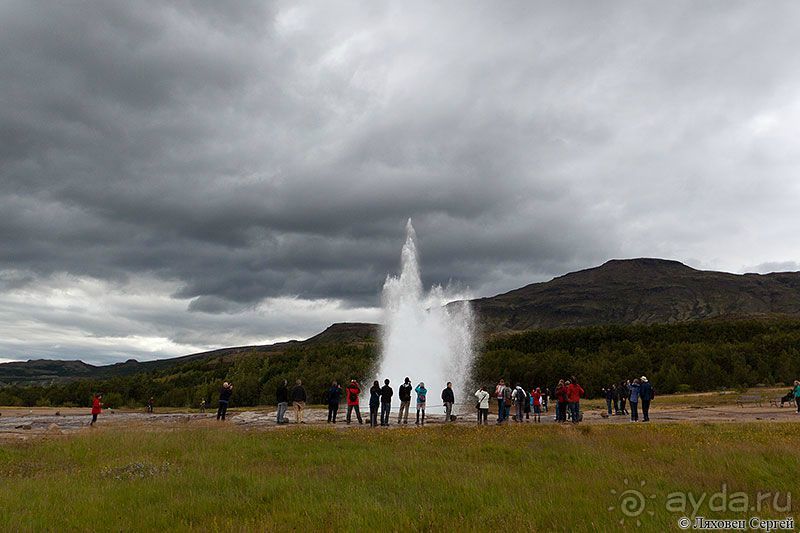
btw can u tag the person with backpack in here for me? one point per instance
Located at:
(519, 397)
(482, 405)
(498, 394)
(334, 397)
(282, 399)
(634, 399)
(528, 403)
(574, 393)
(224, 398)
(386, 402)
(422, 394)
(97, 407)
(404, 393)
(508, 400)
(353, 391)
(536, 400)
(646, 395)
(448, 399)
(374, 403)
(299, 401)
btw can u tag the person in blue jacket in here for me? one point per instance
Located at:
(635, 387)
(422, 395)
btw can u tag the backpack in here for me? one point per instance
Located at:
(353, 396)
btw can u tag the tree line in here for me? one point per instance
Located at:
(695, 356)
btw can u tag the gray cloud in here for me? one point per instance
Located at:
(240, 153)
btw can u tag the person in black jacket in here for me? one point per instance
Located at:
(646, 395)
(334, 395)
(386, 402)
(404, 392)
(448, 398)
(608, 393)
(299, 401)
(282, 398)
(224, 397)
(374, 403)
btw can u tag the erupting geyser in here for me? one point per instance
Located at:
(422, 338)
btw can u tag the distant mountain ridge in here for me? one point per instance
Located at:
(52, 370)
(621, 291)
(640, 291)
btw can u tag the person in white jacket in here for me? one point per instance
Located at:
(483, 405)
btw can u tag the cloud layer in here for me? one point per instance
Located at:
(196, 175)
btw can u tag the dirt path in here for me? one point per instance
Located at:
(22, 424)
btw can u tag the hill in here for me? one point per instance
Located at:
(43, 371)
(640, 291)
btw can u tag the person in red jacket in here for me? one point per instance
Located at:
(561, 401)
(574, 393)
(97, 406)
(353, 391)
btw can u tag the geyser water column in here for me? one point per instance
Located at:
(422, 338)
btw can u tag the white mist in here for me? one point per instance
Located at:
(423, 339)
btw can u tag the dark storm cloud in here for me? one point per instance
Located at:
(247, 151)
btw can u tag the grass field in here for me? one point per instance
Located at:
(433, 479)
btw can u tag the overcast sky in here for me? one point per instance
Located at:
(206, 174)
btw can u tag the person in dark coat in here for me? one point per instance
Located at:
(282, 398)
(404, 393)
(386, 402)
(646, 395)
(374, 403)
(334, 396)
(608, 393)
(448, 398)
(225, 393)
(299, 401)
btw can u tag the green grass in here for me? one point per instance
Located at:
(434, 479)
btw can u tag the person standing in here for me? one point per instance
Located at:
(624, 392)
(609, 396)
(519, 397)
(498, 394)
(97, 407)
(574, 393)
(404, 393)
(561, 401)
(353, 391)
(646, 395)
(422, 394)
(299, 401)
(448, 399)
(536, 399)
(797, 394)
(374, 403)
(634, 399)
(386, 402)
(334, 396)
(282, 399)
(150, 404)
(202, 405)
(615, 397)
(224, 399)
(483, 405)
(507, 401)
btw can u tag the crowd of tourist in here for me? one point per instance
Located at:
(516, 404)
